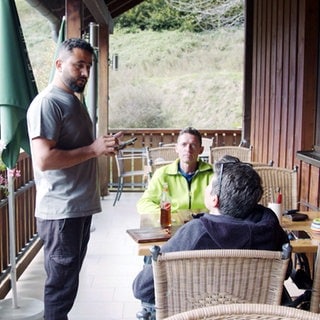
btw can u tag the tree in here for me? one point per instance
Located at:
(212, 14)
(156, 15)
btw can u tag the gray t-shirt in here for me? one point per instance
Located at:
(72, 192)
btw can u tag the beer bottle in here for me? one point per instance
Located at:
(165, 206)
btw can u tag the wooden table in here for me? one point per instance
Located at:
(152, 220)
(308, 246)
(303, 245)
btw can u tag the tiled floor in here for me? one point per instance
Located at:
(109, 268)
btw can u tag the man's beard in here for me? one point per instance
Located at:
(77, 88)
(71, 84)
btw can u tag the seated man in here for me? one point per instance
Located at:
(187, 178)
(235, 221)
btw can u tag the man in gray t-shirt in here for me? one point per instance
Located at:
(64, 155)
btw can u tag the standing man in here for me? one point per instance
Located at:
(64, 155)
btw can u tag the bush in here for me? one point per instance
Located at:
(136, 107)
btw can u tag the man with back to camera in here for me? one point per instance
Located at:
(187, 178)
(64, 156)
(235, 221)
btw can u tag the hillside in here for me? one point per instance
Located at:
(41, 47)
(178, 78)
(167, 79)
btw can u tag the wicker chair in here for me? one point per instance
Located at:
(274, 178)
(244, 154)
(245, 312)
(315, 296)
(158, 157)
(187, 280)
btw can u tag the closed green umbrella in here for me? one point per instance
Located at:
(17, 89)
(61, 38)
(18, 86)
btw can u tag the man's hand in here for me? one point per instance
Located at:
(107, 144)
(48, 157)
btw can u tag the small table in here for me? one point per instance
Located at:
(303, 245)
(308, 246)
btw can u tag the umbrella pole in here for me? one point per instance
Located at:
(12, 237)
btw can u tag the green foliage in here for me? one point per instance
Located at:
(2, 166)
(156, 15)
(213, 14)
(41, 47)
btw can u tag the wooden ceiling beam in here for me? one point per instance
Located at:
(118, 7)
(100, 12)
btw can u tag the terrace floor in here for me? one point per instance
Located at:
(109, 268)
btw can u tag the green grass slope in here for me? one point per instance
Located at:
(166, 79)
(41, 47)
(174, 79)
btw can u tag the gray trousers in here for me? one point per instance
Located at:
(65, 246)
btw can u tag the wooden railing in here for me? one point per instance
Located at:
(152, 138)
(27, 241)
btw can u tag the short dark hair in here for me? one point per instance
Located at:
(192, 131)
(72, 43)
(237, 185)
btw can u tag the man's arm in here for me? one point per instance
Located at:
(48, 157)
(150, 200)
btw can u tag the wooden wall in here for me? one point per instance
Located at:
(281, 100)
(309, 186)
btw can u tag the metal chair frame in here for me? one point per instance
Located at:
(315, 295)
(207, 145)
(158, 157)
(125, 167)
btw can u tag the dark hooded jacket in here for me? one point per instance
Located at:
(260, 230)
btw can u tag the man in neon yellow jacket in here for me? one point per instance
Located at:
(187, 178)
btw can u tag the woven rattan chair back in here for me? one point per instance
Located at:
(161, 144)
(274, 178)
(244, 154)
(262, 164)
(245, 312)
(160, 156)
(187, 280)
(315, 296)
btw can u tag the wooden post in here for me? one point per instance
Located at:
(103, 103)
(73, 15)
